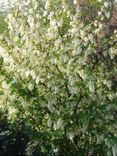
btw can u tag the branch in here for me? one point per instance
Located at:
(76, 106)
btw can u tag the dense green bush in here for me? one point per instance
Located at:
(13, 140)
(3, 24)
(58, 71)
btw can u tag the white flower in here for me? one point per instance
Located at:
(107, 14)
(54, 61)
(5, 85)
(71, 135)
(106, 4)
(47, 4)
(77, 51)
(97, 31)
(115, 31)
(81, 60)
(12, 110)
(116, 94)
(37, 80)
(51, 14)
(82, 33)
(109, 83)
(83, 75)
(9, 16)
(53, 23)
(95, 23)
(91, 86)
(90, 37)
(45, 13)
(24, 104)
(55, 126)
(50, 106)
(31, 21)
(100, 94)
(65, 58)
(114, 150)
(27, 73)
(75, 2)
(105, 53)
(31, 86)
(99, 13)
(33, 75)
(102, 18)
(59, 123)
(55, 150)
(100, 25)
(49, 123)
(60, 23)
(111, 96)
(112, 55)
(6, 132)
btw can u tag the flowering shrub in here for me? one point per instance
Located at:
(58, 75)
(3, 25)
(12, 141)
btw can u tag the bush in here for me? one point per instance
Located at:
(3, 24)
(13, 139)
(58, 74)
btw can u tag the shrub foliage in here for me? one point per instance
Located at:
(58, 75)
